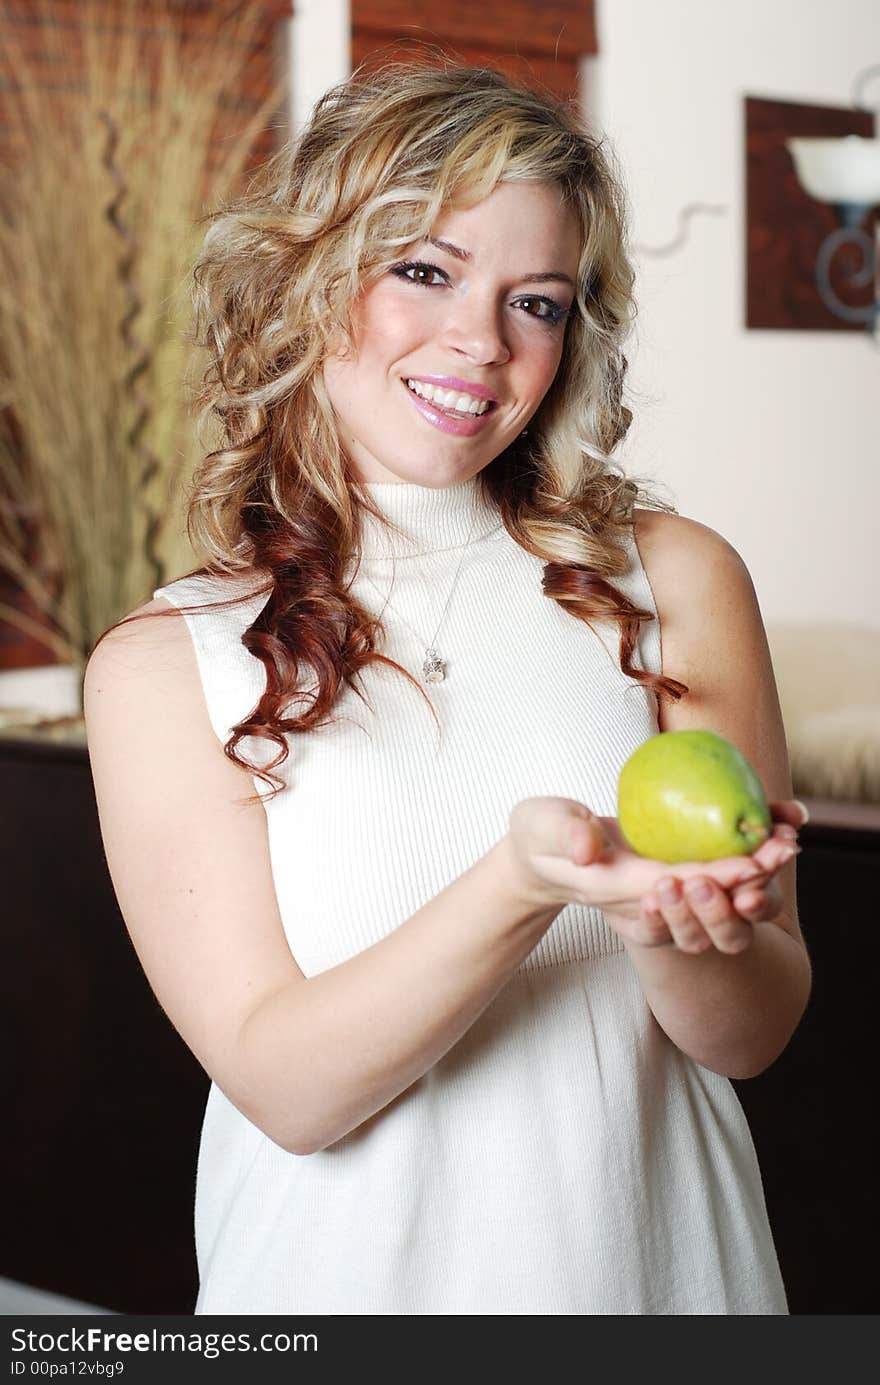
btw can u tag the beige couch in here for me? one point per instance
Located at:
(829, 687)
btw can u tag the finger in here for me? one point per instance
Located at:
(775, 853)
(712, 910)
(731, 871)
(650, 929)
(783, 831)
(791, 811)
(587, 839)
(759, 905)
(687, 931)
(544, 824)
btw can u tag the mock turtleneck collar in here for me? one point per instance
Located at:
(432, 518)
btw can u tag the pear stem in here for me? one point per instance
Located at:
(753, 829)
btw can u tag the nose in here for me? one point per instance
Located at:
(475, 330)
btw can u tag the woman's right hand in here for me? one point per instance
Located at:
(565, 854)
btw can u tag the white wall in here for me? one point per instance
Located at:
(770, 437)
(320, 52)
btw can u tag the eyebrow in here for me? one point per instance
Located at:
(554, 276)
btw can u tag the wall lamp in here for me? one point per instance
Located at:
(845, 173)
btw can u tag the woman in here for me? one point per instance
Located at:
(469, 1054)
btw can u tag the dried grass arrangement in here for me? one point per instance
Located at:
(103, 183)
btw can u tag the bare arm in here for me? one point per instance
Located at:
(305, 1059)
(734, 1005)
(371, 1026)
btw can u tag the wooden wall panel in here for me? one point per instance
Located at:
(556, 74)
(538, 43)
(59, 61)
(785, 226)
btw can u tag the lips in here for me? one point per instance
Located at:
(452, 401)
(454, 384)
(461, 422)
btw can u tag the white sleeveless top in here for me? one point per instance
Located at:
(564, 1157)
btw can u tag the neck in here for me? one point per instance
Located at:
(426, 519)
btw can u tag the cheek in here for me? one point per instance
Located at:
(390, 323)
(349, 389)
(544, 362)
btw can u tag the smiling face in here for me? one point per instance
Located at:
(456, 346)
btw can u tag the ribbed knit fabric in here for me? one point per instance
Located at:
(564, 1157)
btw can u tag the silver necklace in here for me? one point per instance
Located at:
(434, 667)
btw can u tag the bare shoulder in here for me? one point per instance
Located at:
(138, 632)
(673, 546)
(159, 628)
(691, 568)
(142, 687)
(149, 651)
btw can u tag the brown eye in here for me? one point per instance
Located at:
(427, 276)
(544, 309)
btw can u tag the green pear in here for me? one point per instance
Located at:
(691, 796)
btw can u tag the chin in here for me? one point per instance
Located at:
(431, 473)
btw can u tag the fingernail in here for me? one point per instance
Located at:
(668, 891)
(699, 891)
(804, 810)
(786, 830)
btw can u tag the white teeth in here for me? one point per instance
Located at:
(449, 399)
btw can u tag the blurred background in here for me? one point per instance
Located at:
(747, 138)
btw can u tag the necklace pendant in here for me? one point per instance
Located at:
(434, 669)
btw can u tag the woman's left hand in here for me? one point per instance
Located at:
(698, 913)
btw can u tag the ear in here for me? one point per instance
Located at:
(338, 346)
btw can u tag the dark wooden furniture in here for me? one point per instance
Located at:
(103, 1100)
(812, 1113)
(105, 1103)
